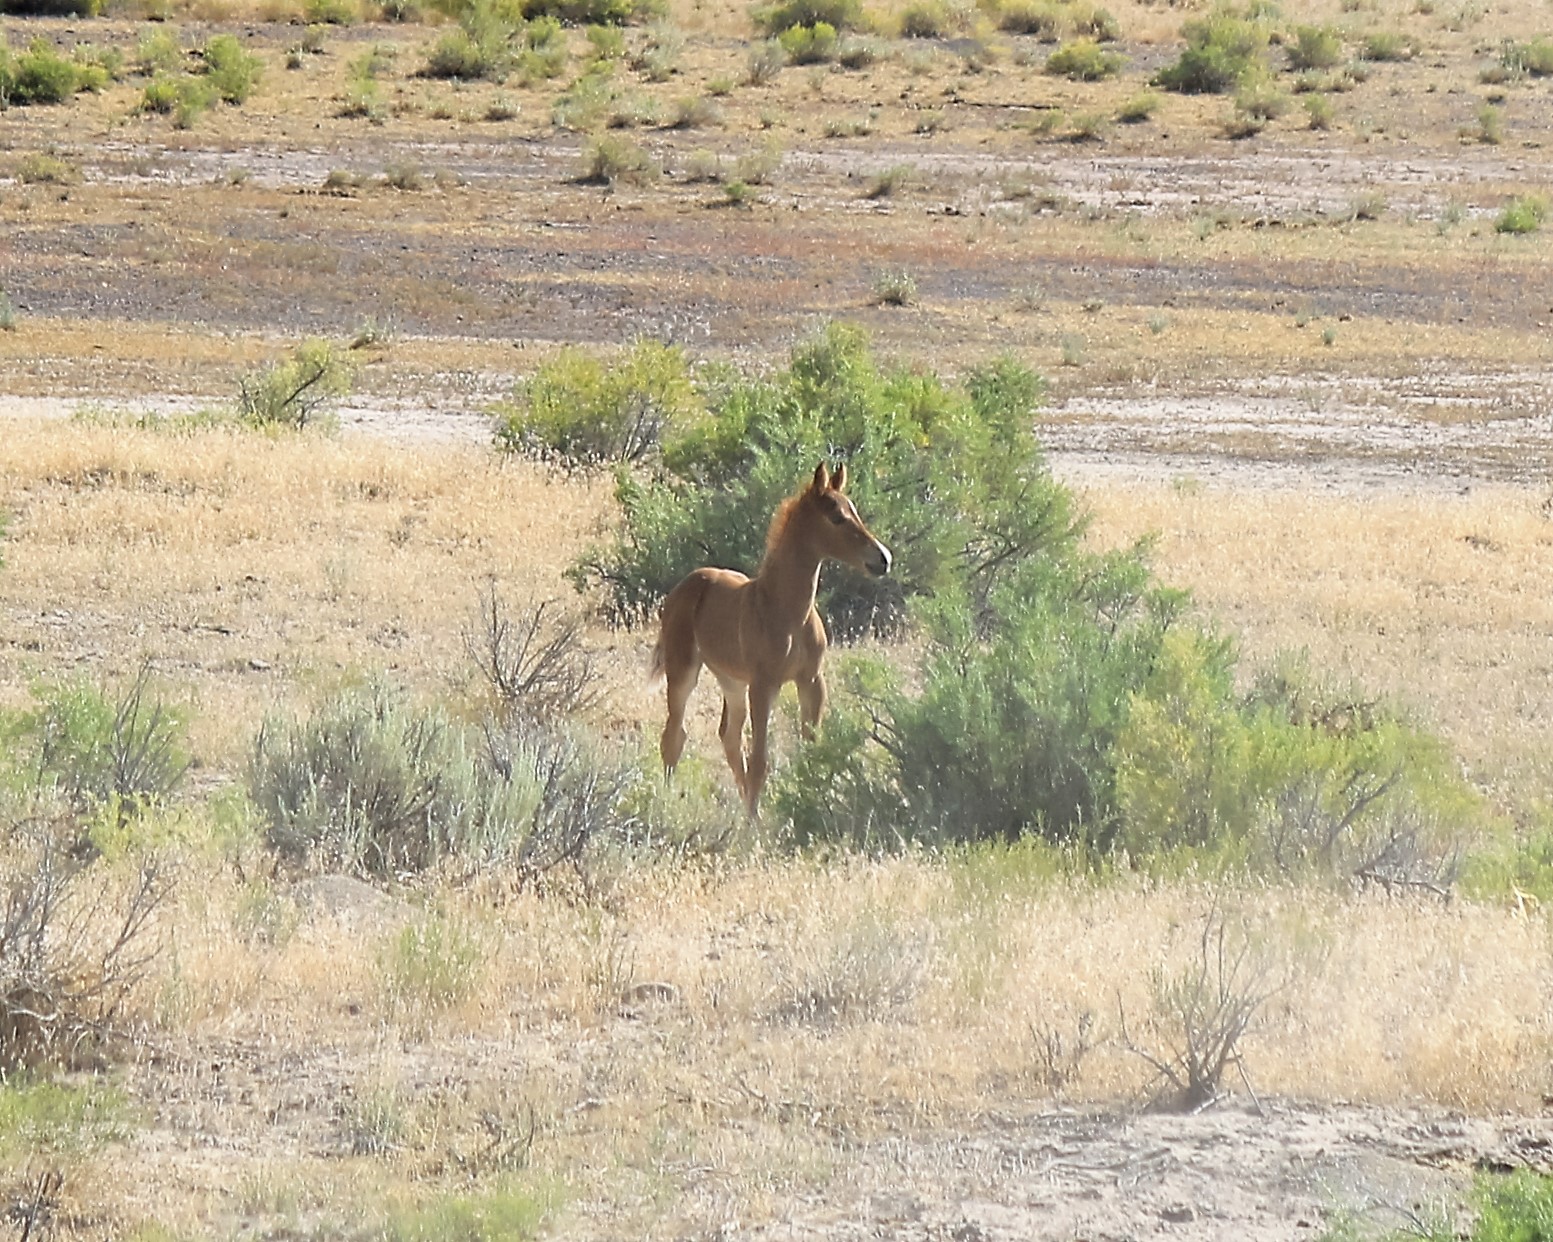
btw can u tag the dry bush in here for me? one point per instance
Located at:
(76, 938)
(1201, 1013)
(535, 663)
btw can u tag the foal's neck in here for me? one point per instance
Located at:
(788, 579)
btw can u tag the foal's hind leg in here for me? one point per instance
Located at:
(680, 676)
(731, 730)
(811, 704)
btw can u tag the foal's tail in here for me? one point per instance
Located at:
(659, 668)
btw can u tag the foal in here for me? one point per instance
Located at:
(756, 634)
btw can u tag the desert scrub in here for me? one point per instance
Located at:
(232, 73)
(609, 160)
(1534, 57)
(1084, 60)
(810, 45)
(298, 392)
(928, 19)
(895, 287)
(59, 1122)
(1524, 214)
(773, 19)
(1221, 50)
(42, 76)
(581, 409)
(1314, 47)
(1138, 108)
(46, 168)
(375, 785)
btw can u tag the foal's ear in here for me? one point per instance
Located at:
(821, 477)
(839, 479)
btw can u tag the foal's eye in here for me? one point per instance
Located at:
(838, 518)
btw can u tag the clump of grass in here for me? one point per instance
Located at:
(759, 166)
(859, 52)
(1222, 50)
(1318, 111)
(1388, 46)
(1524, 214)
(1534, 57)
(1371, 205)
(1315, 47)
(890, 181)
(7, 312)
(1490, 125)
(927, 19)
(766, 59)
(46, 168)
(431, 966)
(1084, 60)
(612, 161)
(895, 287)
(1138, 108)
(696, 112)
(1044, 19)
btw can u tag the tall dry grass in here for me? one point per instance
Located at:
(687, 1045)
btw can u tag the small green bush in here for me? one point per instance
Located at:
(608, 160)
(1525, 214)
(1138, 108)
(1315, 47)
(125, 746)
(773, 19)
(1534, 57)
(52, 8)
(1388, 45)
(1221, 50)
(232, 72)
(499, 1213)
(159, 52)
(331, 12)
(927, 19)
(39, 76)
(895, 287)
(1084, 60)
(298, 392)
(58, 1121)
(580, 410)
(1045, 19)
(594, 12)
(810, 45)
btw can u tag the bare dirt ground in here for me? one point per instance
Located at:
(1206, 310)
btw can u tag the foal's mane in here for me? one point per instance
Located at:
(781, 520)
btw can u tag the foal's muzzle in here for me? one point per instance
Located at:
(878, 560)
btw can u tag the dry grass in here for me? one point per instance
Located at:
(1437, 599)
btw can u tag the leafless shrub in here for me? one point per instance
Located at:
(870, 967)
(535, 663)
(581, 794)
(1200, 1015)
(1060, 1057)
(76, 937)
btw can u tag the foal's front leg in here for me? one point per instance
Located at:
(761, 696)
(811, 704)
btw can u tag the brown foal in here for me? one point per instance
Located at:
(756, 634)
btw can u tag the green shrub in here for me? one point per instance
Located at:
(1138, 108)
(432, 965)
(1221, 49)
(52, 8)
(895, 287)
(298, 392)
(608, 160)
(231, 72)
(1046, 19)
(125, 746)
(499, 1213)
(1388, 45)
(1524, 214)
(582, 411)
(374, 785)
(949, 478)
(159, 52)
(1315, 47)
(46, 168)
(58, 1121)
(773, 19)
(594, 12)
(1094, 23)
(331, 12)
(1534, 57)
(810, 45)
(39, 76)
(927, 19)
(1084, 60)
(183, 96)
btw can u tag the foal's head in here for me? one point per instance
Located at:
(833, 526)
